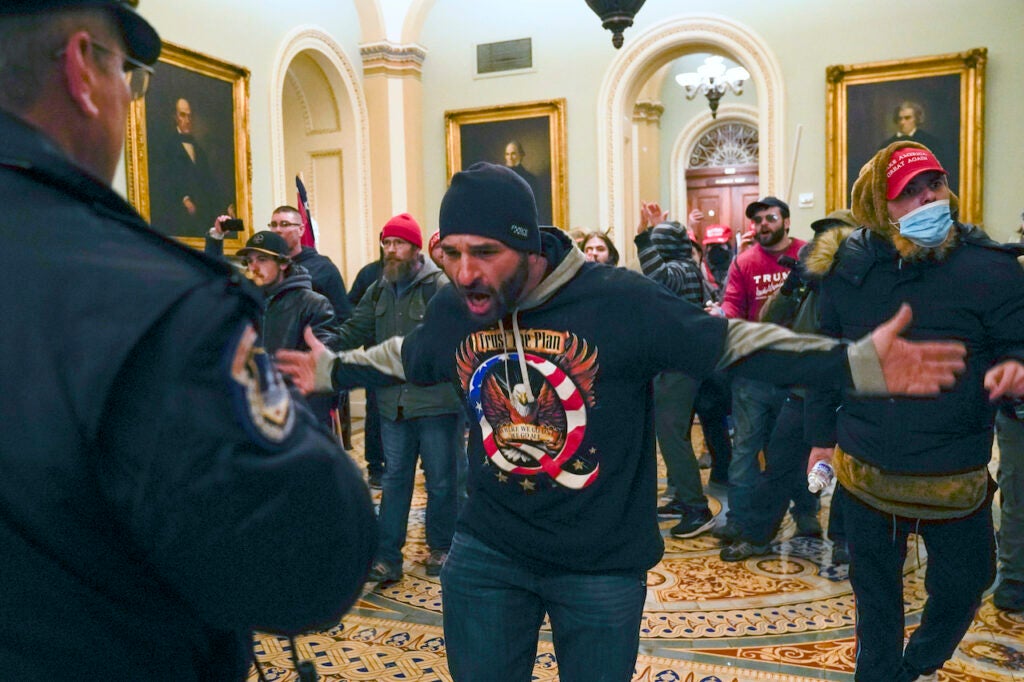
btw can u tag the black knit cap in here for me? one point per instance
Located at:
(491, 201)
(140, 38)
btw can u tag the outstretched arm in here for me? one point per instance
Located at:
(321, 371)
(883, 363)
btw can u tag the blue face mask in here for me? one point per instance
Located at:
(928, 225)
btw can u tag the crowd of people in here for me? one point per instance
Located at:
(191, 413)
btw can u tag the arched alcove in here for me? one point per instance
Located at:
(319, 127)
(688, 137)
(639, 60)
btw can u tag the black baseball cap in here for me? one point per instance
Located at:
(141, 39)
(267, 242)
(767, 202)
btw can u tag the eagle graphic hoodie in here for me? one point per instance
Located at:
(562, 469)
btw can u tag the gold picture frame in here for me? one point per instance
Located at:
(863, 100)
(180, 182)
(484, 134)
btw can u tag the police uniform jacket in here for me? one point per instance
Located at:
(161, 495)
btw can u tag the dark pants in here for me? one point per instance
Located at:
(784, 477)
(373, 451)
(674, 393)
(961, 566)
(714, 400)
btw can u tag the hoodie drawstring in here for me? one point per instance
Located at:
(522, 393)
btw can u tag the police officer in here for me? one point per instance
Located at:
(162, 493)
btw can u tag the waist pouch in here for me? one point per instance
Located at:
(942, 496)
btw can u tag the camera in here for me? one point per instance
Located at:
(231, 225)
(788, 262)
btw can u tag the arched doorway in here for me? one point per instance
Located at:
(319, 129)
(715, 167)
(639, 60)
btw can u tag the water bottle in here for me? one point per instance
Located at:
(820, 477)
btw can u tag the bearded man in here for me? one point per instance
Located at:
(417, 422)
(556, 358)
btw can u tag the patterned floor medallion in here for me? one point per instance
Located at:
(784, 617)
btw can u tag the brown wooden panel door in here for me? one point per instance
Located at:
(712, 201)
(722, 196)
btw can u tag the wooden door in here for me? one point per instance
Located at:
(722, 194)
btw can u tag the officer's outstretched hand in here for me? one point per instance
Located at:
(1005, 379)
(300, 366)
(915, 367)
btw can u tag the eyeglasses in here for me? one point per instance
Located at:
(284, 223)
(769, 218)
(136, 74)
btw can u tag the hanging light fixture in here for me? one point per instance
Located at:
(713, 79)
(616, 15)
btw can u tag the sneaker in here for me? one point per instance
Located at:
(373, 480)
(693, 523)
(672, 508)
(1009, 596)
(384, 573)
(435, 561)
(741, 549)
(840, 555)
(728, 532)
(807, 526)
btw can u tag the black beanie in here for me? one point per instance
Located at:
(491, 201)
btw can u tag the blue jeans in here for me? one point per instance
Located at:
(435, 440)
(784, 477)
(755, 407)
(494, 607)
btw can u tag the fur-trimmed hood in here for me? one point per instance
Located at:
(871, 210)
(822, 250)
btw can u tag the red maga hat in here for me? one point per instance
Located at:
(904, 165)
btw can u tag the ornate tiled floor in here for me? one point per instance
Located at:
(786, 617)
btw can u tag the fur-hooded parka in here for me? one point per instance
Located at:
(871, 210)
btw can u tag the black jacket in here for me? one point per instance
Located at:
(326, 280)
(292, 305)
(975, 294)
(152, 511)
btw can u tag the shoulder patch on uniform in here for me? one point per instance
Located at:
(261, 398)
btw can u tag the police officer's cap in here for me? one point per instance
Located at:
(140, 38)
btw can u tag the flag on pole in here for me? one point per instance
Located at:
(308, 236)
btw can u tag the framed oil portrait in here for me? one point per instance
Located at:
(527, 137)
(937, 101)
(187, 154)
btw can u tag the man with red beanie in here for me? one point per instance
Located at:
(416, 421)
(555, 357)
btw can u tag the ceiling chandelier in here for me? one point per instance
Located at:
(713, 79)
(616, 15)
